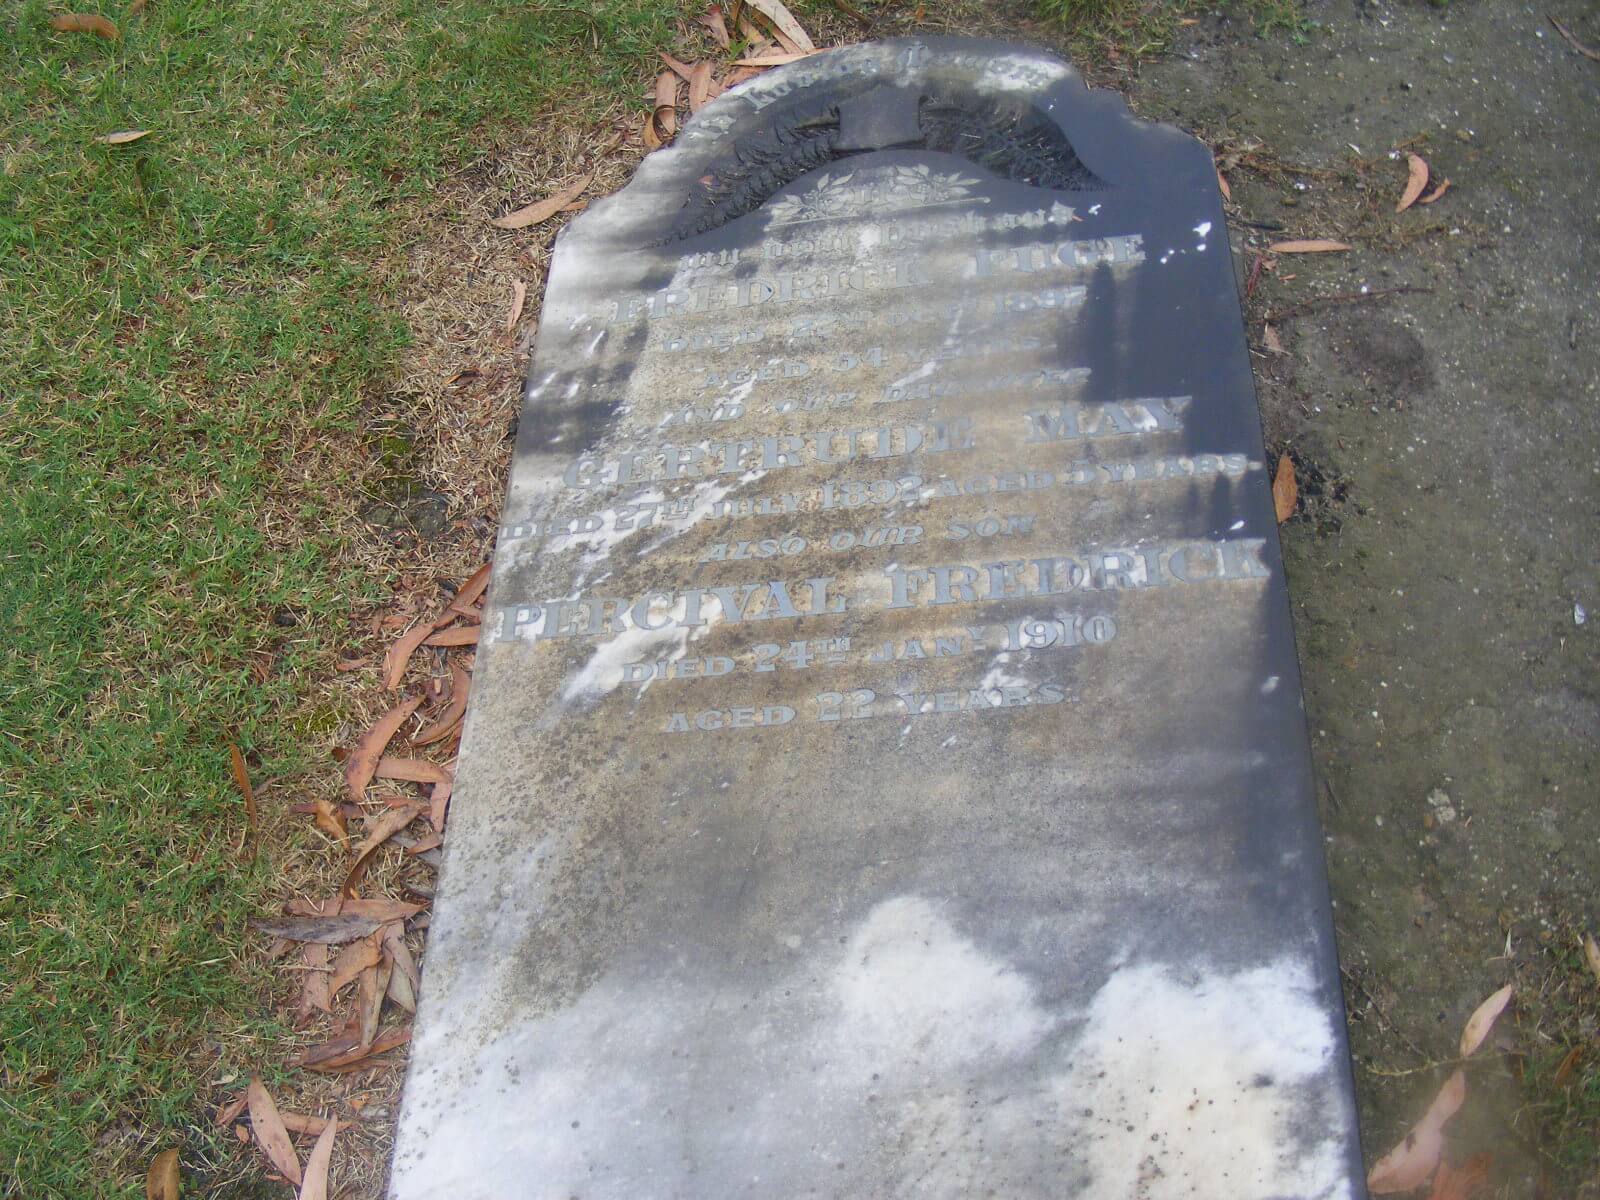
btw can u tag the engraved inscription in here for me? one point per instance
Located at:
(743, 489)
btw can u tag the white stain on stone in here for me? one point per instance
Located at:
(915, 1045)
(602, 673)
(1196, 1083)
(997, 676)
(916, 996)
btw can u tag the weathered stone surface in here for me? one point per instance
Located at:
(886, 774)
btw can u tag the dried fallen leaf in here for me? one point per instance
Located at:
(378, 832)
(664, 115)
(1312, 246)
(334, 1050)
(373, 984)
(773, 60)
(794, 38)
(229, 1112)
(241, 776)
(314, 1126)
(85, 23)
(1568, 1064)
(519, 297)
(122, 137)
(406, 980)
(381, 909)
(1222, 184)
(755, 37)
(330, 819)
(162, 1180)
(699, 86)
(344, 1053)
(455, 637)
(460, 686)
(1572, 41)
(315, 994)
(1269, 335)
(1591, 953)
(137, 7)
(316, 1184)
(423, 844)
(1416, 181)
(474, 586)
(1285, 492)
(439, 803)
(398, 656)
(363, 760)
(354, 959)
(401, 989)
(679, 68)
(413, 770)
(1444, 186)
(541, 210)
(716, 26)
(1482, 1020)
(271, 1135)
(334, 930)
(1410, 1164)
(1463, 1182)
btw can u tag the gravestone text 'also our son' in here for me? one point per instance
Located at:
(887, 774)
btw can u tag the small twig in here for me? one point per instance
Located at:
(1434, 1066)
(854, 14)
(1255, 275)
(1382, 1016)
(1341, 298)
(1574, 42)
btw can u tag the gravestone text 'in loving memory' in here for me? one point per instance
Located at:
(886, 773)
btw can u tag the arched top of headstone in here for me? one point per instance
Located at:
(939, 116)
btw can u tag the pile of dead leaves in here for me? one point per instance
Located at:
(355, 965)
(755, 34)
(750, 37)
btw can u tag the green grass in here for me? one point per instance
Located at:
(189, 321)
(1561, 1072)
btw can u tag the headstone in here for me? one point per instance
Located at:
(887, 773)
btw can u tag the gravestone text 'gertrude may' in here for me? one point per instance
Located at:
(886, 774)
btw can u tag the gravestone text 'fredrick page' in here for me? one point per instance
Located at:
(886, 774)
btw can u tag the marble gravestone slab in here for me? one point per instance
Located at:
(886, 773)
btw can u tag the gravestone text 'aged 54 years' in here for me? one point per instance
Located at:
(887, 774)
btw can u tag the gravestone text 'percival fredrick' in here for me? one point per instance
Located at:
(886, 773)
